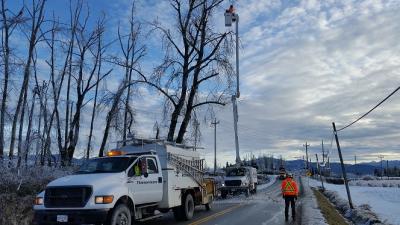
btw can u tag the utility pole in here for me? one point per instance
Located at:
(232, 17)
(319, 171)
(342, 165)
(355, 163)
(196, 130)
(323, 158)
(307, 145)
(323, 152)
(329, 166)
(381, 157)
(387, 168)
(215, 123)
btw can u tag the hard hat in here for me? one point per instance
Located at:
(290, 175)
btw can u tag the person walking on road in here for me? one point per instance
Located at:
(290, 192)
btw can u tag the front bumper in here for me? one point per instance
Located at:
(234, 188)
(45, 217)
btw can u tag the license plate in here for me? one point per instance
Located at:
(62, 218)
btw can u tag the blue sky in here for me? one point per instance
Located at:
(304, 64)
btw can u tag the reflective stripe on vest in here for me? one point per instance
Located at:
(289, 189)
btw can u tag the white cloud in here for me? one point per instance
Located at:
(304, 65)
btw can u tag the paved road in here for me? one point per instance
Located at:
(266, 207)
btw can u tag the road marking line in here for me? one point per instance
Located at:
(213, 216)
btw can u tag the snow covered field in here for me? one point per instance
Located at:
(376, 183)
(384, 202)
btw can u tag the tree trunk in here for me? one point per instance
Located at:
(94, 103)
(29, 130)
(110, 116)
(21, 127)
(6, 56)
(179, 106)
(74, 129)
(36, 23)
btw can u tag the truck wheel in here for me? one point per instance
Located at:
(188, 207)
(208, 206)
(121, 215)
(255, 189)
(224, 194)
(247, 192)
(186, 210)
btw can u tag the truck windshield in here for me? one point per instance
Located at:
(106, 165)
(236, 172)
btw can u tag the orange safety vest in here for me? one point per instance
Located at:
(289, 187)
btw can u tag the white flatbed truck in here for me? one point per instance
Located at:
(136, 182)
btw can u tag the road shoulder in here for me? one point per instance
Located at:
(310, 211)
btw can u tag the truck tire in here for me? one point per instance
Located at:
(255, 189)
(186, 210)
(121, 215)
(224, 194)
(247, 192)
(208, 206)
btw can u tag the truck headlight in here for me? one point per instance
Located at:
(106, 199)
(223, 184)
(38, 201)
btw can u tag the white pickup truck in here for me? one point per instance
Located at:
(239, 179)
(138, 181)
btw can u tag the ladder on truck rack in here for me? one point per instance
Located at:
(193, 168)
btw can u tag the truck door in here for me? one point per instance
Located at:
(135, 177)
(143, 182)
(155, 178)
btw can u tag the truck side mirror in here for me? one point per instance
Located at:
(144, 167)
(131, 172)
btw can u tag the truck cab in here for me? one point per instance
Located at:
(122, 187)
(282, 173)
(238, 180)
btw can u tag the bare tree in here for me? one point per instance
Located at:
(85, 41)
(195, 54)
(56, 85)
(8, 24)
(211, 60)
(100, 52)
(29, 128)
(36, 18)
(132, 52)
(115, 100)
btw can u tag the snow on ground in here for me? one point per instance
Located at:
(384, 202)
(311, 213)
(272, 179)
(376, 183)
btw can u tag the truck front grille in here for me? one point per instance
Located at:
(233, 183)
(67, 197)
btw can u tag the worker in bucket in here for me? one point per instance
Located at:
(290, 192)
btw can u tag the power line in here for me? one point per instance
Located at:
(355, 121)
